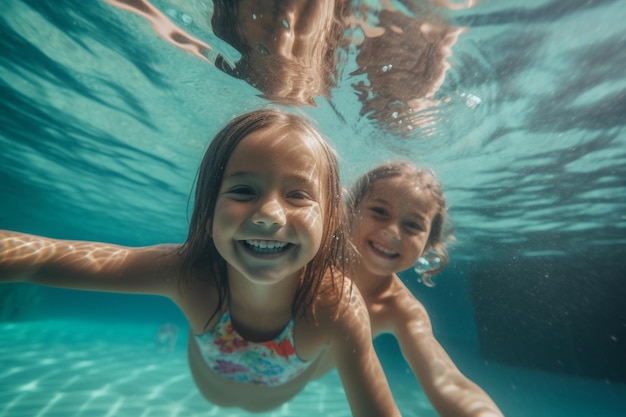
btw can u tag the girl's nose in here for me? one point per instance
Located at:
(270, 212)
(392, 231)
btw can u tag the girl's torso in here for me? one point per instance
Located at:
(226, 392)
(296, 350)
(269, 363)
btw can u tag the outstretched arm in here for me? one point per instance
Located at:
(451, 393)
(88, 265)
(360, 370)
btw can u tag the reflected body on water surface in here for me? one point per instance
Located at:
(107, 107)
(294, 51)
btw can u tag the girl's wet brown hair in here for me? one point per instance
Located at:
(439, 229)
(199, 252)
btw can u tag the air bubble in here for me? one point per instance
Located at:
(424, 264)
(471, 101)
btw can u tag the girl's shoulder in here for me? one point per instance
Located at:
(405, 311)
(339, 305)
(337, 317)
(197, 296)
(405, 303)
(200, 310)
(393, 307)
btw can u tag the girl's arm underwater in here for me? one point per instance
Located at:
(361, 373)
(451, 393)
(88, 265)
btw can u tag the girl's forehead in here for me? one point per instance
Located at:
(283, 149)
(407, 195)
(399, 188)
(286, 140)
(397, 183)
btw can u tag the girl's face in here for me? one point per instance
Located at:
(392, 225)
(268, 220)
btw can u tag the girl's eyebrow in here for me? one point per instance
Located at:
(380, 200)
(237, 174)
(417, 215)
(309, 179)
(297, 178)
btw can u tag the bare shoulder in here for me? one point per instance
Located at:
(405, 302)
(344, 311)
(197, 297)
(408, 315)
(159, 270)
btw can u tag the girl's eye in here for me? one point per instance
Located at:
(381, 212)
(299, 195)
(241, 192)
(414, 227)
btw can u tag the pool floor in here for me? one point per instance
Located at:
(70, 368)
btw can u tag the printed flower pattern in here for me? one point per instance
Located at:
(268, 363)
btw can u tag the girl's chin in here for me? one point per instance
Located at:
(378, 267)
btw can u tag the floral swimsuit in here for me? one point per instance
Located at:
(270, 363)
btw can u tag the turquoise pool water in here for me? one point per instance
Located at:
(103, 124)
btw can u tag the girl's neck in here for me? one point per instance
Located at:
(371, 284)
(257, 310)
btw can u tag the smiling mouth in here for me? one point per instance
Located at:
(383, 251)
(266, 247)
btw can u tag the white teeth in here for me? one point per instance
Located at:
(383, 250)
(266, 246)
(270, 244)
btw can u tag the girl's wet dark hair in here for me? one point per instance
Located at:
(200, 256)
(440, 232)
